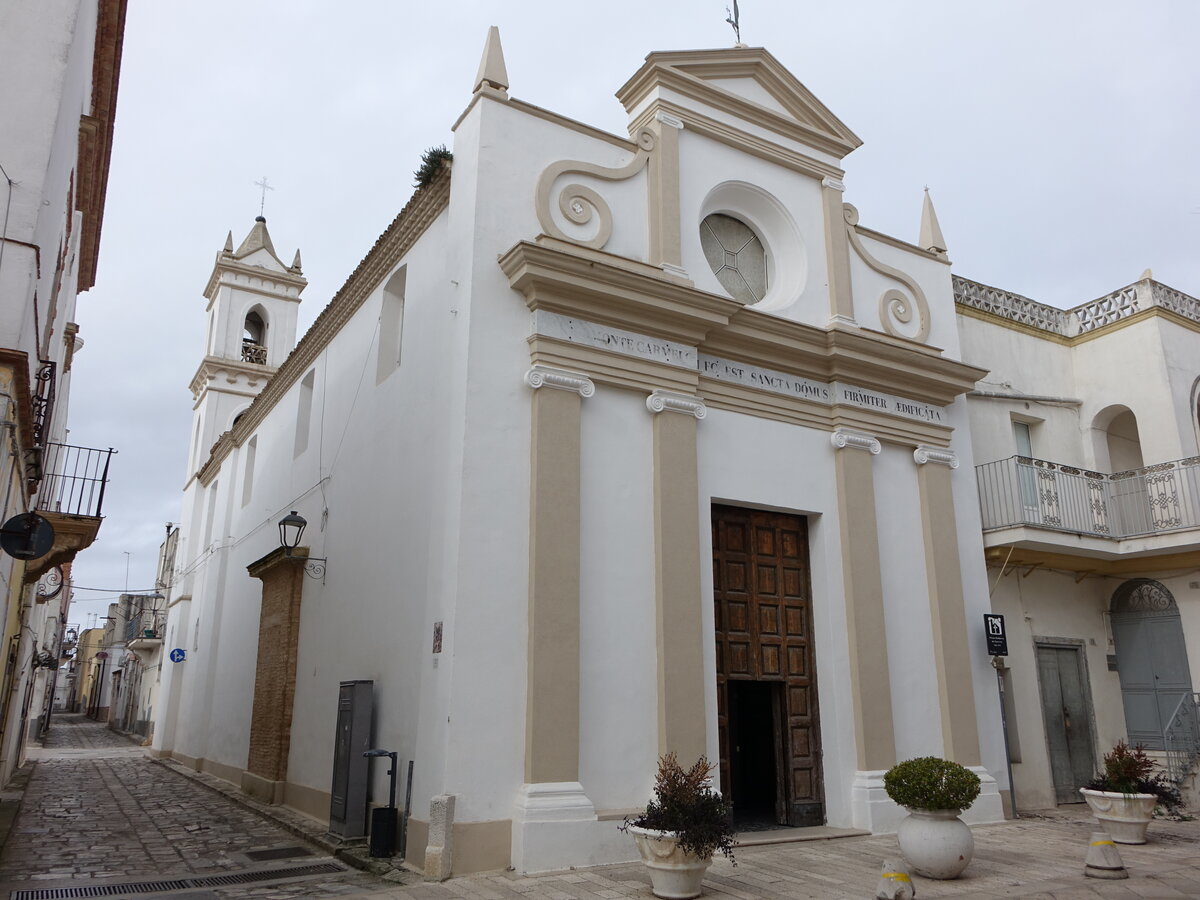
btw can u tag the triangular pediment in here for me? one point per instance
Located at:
(746, 82)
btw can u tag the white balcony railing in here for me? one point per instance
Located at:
(1152, 500)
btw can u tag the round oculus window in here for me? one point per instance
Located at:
(736, 256)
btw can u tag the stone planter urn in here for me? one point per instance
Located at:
(1124, 816)
(936, 842)
(674, 875)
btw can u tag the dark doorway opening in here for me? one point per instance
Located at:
(755, 741)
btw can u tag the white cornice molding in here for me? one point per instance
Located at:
(669, 401)
(923, 455)
(560, 379)
(841, 439)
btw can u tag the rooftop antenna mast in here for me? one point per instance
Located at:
(262, 203)
(735, 20)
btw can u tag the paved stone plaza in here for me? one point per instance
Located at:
(96, 810)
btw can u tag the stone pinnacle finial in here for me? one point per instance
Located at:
(931, 231)
(1148, 275)
(296, 262)
(229, 242)
(492, 77)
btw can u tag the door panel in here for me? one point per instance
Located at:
(764, 633)
(1066, 710)
(1153, 666)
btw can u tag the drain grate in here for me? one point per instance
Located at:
(178, 884)
(277, 853)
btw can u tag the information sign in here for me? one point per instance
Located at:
(997, 639)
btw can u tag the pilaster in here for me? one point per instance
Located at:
(952, 657)
(681, 714)
(663, 195)
(837, 252)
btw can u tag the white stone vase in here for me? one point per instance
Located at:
(936, 842)
(1124, 816)
(674, 875)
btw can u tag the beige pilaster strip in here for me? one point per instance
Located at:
(663, 195)
(952, 659)
(837, 252)
(552, 709)
(870, 682)
(679, 605)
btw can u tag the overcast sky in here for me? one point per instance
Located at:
(1058, 140)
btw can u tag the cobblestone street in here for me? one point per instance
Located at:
(97, 811)
(95, 807)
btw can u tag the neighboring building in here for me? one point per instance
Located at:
(1086, 431)
(140, 619)
(90, 671)
(608, 447)
(59, 63)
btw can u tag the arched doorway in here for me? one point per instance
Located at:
(1151, 658)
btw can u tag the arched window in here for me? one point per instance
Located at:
(254, 337)
(1117, 441)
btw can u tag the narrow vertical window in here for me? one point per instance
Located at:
(304, 413)
(391, 324)
(211, 513)
(248, 478)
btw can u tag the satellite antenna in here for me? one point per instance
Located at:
(735, 20)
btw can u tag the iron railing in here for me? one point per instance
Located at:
(148, 623)
(74, 480)
(45, 385)
(1152, 500)
(1181, 738)
(254, 353)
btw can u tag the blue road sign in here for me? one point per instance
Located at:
(178, 655)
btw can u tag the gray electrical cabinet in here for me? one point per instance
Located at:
(352, 738)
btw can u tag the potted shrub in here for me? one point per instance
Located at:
(934, 840)
(685, 823)
(1124, 795)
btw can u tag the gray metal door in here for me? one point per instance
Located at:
(1153, 665)
(1066, 708)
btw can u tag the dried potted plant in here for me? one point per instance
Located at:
(1124, 795)
(685, 823)
(934, 840)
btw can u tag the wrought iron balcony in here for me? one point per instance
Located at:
(1156, 499)
(146, 627)
(1182, 738)
(254, 353)
(71, 497)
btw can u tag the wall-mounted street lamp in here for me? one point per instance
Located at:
(291, 529)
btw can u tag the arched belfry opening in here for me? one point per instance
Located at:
(254, 337)
(1152, 659)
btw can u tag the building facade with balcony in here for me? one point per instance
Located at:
(59, 64)
(610, 446)
(1086, 434)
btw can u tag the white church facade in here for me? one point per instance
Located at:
(609, 447)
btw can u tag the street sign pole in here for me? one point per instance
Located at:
(997, 648)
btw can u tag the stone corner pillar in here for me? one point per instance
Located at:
(551, 810)
(282, 576)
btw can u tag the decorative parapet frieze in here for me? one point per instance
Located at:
(1107, 309)
(560, 379)
(1011, 306)
(923, 455)
(668, 401)
(841, 439)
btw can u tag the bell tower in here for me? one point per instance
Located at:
(253, 299)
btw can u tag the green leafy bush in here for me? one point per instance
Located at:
(685, 803)
(432, 161)
(928, 782)
(1128, 770)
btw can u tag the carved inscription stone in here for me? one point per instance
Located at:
(602, 337)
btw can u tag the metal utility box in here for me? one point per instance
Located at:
(352, 738)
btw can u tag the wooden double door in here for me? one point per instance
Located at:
(767, 718)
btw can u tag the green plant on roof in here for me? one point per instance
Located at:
(432, 161)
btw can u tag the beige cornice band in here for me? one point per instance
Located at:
(668, 401)
(544, 376)
(923, 455)
(841, 439)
